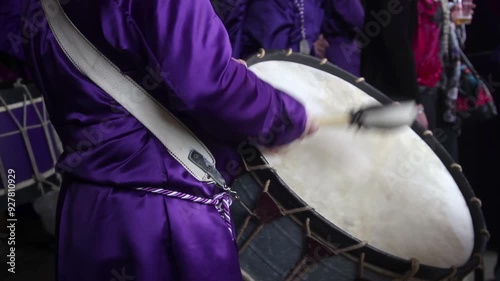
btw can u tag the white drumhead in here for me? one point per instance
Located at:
(386, 188)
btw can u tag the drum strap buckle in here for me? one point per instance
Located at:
(199, 160)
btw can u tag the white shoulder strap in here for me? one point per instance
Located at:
(181, 143)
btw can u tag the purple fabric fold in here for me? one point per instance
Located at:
(117, 234)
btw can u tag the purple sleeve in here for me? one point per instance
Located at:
(10, 29)
(189, 43)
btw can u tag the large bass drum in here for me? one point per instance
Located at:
(349, 205)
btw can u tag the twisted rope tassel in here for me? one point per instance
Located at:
(221, 201)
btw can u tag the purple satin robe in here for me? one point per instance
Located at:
(180, 52)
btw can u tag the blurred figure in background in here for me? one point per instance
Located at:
(436, 48)
(451, 43)
(426, 48)
(344, 21)
(387, 59)
(276, 25)
(321, 28)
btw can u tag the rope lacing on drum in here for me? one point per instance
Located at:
(452, 274)
(301, 268)
(344, 250)
(45, 124)
(249, 168)
(480, 263)
(44, 120)
(251, 215)
(221, 202)
(361, 274)
(23, 129)
(415, 266)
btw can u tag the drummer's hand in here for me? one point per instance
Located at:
(241, 62)
(422, 118)
(320, 47)
(312, 127)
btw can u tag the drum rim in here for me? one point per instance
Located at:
(375, 256)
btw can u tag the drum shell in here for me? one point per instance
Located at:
(29, 144)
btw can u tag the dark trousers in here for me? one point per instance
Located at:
(446, 133)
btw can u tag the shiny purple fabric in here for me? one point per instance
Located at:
(118, 234)
(343, 21)
(194, 76)
(272, 24)
(179, 51)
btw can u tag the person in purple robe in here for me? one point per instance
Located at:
(321, 28)
(180, 52)
(273, 24)
(344, 20)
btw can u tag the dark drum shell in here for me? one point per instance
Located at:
(29, 144)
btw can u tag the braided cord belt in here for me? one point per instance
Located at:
(221, 201)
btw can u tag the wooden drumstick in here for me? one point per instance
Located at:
(379, 116)
(334, 120)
